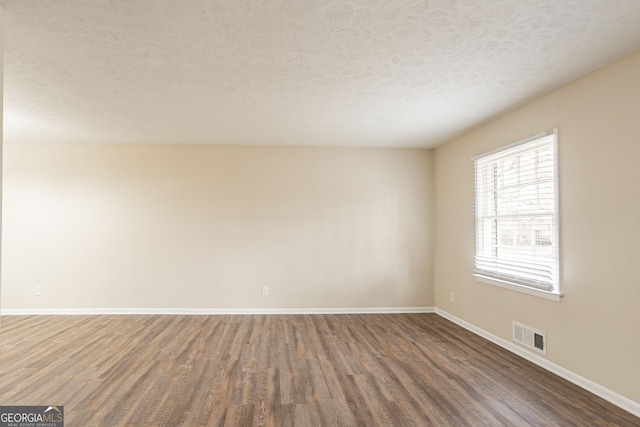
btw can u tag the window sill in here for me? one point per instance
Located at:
(553, 296)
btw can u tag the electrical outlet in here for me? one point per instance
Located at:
(265, 291)
(452, 297)
(38, 291)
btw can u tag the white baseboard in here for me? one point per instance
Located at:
(212, 311)
(611, 396)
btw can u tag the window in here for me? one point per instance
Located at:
(516, 213)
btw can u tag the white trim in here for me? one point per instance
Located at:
(608, 395)
(515, 144)
(556, 212)
(519, 288)
(210, 311)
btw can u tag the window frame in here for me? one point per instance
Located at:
(504, 281)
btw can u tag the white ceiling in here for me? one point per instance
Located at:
(359, 73)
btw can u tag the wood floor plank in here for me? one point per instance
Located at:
(282, 370)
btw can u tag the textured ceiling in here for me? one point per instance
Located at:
(387, 73)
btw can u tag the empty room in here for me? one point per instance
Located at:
(306, 213)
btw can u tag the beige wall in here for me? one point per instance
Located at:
(1, 124)
(170, 226)
(595, 330)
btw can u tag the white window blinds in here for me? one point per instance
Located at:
(516, 214)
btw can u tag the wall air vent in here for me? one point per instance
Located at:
(529, 337)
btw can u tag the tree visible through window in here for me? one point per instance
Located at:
(516, 214)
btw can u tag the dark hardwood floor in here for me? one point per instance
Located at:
(280, 370)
